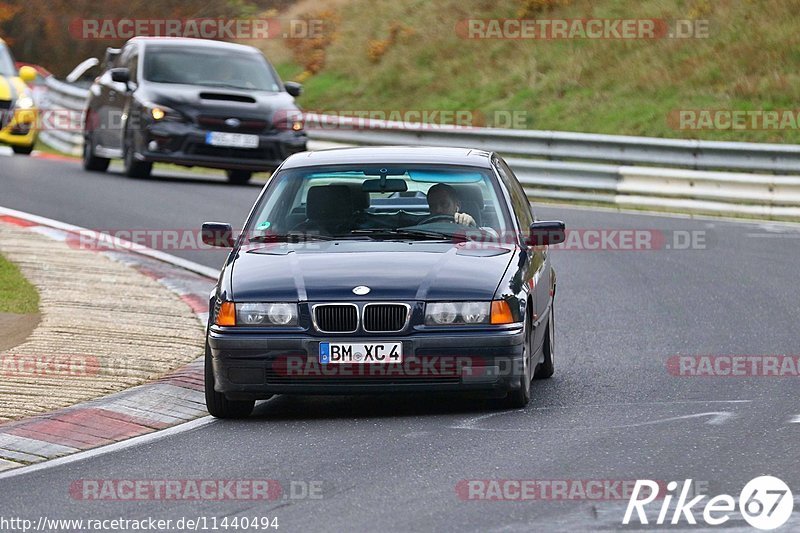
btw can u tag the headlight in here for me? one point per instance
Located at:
(24, 102)
(446, 313)
(160, 112)
(266, 314)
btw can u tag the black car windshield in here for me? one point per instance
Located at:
(210, 67)
(6, 63)
(384, 202)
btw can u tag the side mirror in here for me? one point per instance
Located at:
(293, 88)
(27, 74)
(217, 234)
(120, 75)
(547, 232)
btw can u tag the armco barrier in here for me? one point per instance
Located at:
(65, 100)
(564, 166)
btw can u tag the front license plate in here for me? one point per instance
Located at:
(373, 352)
(234, 140)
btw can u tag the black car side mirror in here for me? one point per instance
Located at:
(120, 75)
(293, 88)
(217, 234)
(543, 233)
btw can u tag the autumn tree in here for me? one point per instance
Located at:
(38, 31)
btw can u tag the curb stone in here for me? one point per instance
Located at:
(171, 400)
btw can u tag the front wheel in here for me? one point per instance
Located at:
(22, 150)
(217, 404)
(239, 177)
(90, 160)
(134, 168)
(520, 397)
(547, 367)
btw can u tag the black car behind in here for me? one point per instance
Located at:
(191, 102)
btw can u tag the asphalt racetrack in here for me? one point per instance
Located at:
(615, 410)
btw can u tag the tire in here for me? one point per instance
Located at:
(546, 368)
(22, 150)
(239, 177)
(134, 168)
(519, 398)
(90, 161)
(217, 404)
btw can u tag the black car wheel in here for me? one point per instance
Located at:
(217, 404)
(22, 150)
(546, 368)
(90, 160)
(520, 397)
(134, 168)
(239, 177)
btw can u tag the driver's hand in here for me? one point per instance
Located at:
(464, 219)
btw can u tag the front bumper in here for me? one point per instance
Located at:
(184, 144)
(18, 128)
(255, 366)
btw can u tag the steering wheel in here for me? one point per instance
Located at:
(436, 218)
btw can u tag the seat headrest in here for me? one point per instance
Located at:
(329, 202)
(359, 196)
(470, 193)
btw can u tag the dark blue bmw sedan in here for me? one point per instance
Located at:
(383, 269)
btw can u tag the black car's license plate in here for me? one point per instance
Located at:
(349, 352)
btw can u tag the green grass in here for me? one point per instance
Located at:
(17, 295)
(751, 60)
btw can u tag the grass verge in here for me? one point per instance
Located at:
(17, 295)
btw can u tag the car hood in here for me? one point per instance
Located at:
(328, 271)
(218, 100)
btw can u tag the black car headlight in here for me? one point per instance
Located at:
(160, 113)
(468, 313)
(457, 313)
(279, 314)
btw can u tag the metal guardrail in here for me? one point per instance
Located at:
(559, 145)
(563, 166)
(66, 102)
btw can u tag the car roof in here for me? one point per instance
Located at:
(391, 155)
(188, 41)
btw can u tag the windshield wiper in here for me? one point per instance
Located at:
(400, 233)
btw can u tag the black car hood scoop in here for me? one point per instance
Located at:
(227, 97)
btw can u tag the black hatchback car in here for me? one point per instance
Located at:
(191, 102)
(382, 269)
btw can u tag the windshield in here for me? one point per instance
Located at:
(6, 63)
(385, 202)
(209, 67)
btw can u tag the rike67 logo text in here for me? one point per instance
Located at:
(765, 503)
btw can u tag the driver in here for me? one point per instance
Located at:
(443, 200)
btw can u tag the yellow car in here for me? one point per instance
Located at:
(18, 113)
